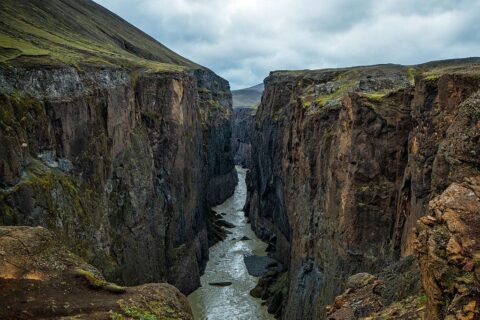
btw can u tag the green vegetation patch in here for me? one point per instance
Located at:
(96, 282)
(146, 310)
(412, 73)
(374, 96)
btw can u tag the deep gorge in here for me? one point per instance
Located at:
(363, 182)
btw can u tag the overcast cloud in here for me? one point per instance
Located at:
(243, 40)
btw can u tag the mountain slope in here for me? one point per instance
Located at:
(77, 32)
(247, 97)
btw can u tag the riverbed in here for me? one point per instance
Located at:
(226, 264)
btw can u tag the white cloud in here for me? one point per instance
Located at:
(243, 40)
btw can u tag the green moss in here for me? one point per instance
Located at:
(93, 281)
(116, 316)
(412, 73)
(423, 299)
(337, 94)
(375, 96)
(115, 288)
(431, 77)
(365, 188)
(137, 313)
(99, 283)
(277, 117)
(179, 251)
(149, 310)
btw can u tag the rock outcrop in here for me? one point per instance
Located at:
(449, 252)
(112, 141)
(40, 278)
(346, 160)
(394, 293)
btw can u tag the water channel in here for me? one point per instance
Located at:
(226, 264)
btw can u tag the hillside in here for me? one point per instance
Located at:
(77, 32)
(249, 97)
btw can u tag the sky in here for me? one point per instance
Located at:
(243, 40)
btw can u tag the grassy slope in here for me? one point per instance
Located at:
(77, 32)
(249, 97)
(347, 79)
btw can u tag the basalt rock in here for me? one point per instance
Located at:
(273, 288)
(243, 128)
(344, 162)
(40, 279)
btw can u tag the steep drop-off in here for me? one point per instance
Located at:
(245, 103)
(345, 161)
(243, 128)
(110, 140)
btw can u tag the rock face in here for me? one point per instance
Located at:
(243, 128)
(120, 159)
(394, 293)
(449, 252)
(40, 278)
(344, 162)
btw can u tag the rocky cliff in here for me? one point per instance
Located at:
(110, 140)
(345, 161)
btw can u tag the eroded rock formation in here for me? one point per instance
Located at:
(449, 252)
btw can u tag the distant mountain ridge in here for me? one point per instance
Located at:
(248, 97)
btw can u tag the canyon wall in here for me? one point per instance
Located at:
(121, 165)
(345, 161)
(243, 128)
(110, 140)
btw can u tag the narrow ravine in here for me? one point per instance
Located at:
(226, 265)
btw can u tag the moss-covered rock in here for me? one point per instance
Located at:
(37, 268)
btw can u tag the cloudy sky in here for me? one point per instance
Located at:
(243, 40)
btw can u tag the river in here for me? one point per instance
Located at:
(232, 302)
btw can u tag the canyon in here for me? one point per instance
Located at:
(363, 182)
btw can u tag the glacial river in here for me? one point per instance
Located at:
(226, 265)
